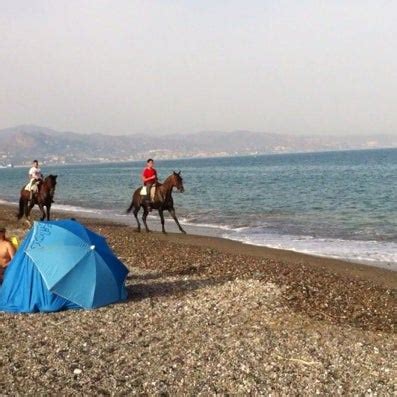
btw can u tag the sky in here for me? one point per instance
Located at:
(167, 66)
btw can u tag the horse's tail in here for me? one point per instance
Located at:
(134, 201)
(21, 207)
(129, 209)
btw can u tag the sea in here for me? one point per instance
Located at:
(340, 204)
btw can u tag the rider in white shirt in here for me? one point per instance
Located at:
(35, 176)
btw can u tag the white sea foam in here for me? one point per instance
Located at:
(7, 202)
(184, 221)
(69, 208)
(75, 208)
(376, 253)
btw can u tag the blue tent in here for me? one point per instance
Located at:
(62, 265)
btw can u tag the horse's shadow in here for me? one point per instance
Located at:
(137, 292)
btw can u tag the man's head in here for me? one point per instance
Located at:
(35, 163)
(150, 163)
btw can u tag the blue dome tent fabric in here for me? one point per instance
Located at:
(23, 289)
(62, 265)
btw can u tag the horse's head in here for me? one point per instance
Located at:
(178, 181)
(51, 180)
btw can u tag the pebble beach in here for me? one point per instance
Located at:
(206, 316)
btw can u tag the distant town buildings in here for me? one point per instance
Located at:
(52, 147)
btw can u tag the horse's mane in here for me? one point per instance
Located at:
(174, 174)
(51, 178)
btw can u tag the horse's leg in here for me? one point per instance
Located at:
(136, 210)
(48, 207)
(27, 209)
(172, 212)
(21, 209)
(144, 216)
(42, 211)
(161, 213)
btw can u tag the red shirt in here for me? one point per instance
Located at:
(150, 173)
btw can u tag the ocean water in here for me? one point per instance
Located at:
(335, 204)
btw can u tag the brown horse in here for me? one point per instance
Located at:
(43, 198)
(162, 201)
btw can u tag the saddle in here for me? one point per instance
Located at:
(143, 192)
(33, 187)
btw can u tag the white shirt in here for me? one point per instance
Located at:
(35, 173)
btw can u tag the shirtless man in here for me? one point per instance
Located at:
(7, 251)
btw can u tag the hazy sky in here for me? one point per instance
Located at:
(164, 66)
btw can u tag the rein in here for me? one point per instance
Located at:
(47, 189)
(166, 186)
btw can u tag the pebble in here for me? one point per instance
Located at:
(201, 321)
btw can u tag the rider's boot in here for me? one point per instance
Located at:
(149, 204)
(148, 197)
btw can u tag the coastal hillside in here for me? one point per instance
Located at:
(19, 144)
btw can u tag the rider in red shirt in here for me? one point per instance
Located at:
(149, 177)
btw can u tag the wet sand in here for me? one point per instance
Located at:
(209, 315)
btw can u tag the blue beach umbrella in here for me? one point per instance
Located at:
(76, 263)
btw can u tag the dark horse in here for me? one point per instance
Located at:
(162, 201)
(43, 198)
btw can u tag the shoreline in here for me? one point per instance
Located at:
(211, 233)
(385, 277)
(376, 274)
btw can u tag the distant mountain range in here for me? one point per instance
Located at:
(19, 145)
